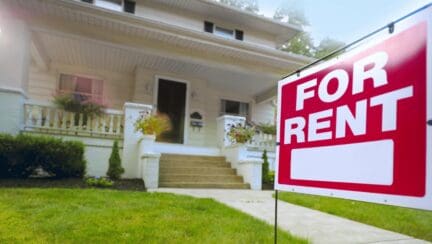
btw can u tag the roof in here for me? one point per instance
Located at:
(215, 10)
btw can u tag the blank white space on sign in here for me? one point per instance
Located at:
(364, 163)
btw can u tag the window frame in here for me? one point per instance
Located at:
(93, 96)
(223, 112)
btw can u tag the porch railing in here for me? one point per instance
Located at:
(263, 141)
(47, 118)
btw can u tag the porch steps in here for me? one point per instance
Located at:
(189, 171)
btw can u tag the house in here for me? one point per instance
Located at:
(205, 64)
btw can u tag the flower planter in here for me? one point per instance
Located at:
(147, 143)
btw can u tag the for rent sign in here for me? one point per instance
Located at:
(356, 127)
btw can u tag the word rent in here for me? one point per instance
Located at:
(318, 124)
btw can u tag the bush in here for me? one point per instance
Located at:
(20, 156)
(115, 170)
(267, 175)
(99, 182)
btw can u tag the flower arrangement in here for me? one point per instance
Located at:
(154, 124)
(78, 104)
(241, 134)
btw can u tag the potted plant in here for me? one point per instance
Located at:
(79, 105)
(241, 134)
(150, 127)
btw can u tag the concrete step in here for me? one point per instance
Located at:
(189, 164)
(200, 178)
(197, 170)
(204, 185)
(192, 157)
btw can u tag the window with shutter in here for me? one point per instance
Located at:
(129, 6)
(208, 26)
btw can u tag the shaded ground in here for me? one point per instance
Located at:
(133, 185)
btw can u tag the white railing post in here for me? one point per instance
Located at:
(224, 124)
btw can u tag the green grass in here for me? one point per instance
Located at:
(109, 216)
(416, 223)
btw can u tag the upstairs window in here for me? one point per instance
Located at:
(229, 107)
(116, 5)
(222, 31)
(83, 88)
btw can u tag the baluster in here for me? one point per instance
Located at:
(39, 116)
(64, 119)
(28, 113)
(80, 122)
(47, 117)
(90, 123)
(71, 120)
(111, 123)
(119, 120)
(104, 124)
(56, 119)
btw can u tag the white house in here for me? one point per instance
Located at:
(181, 57)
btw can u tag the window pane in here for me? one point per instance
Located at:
(232, 107)
(227, 33)
(109, 4)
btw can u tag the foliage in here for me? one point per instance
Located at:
(267, 175)
(291, 16)
(267, 128)
(153, 124)
(412, 222)
(247, 5)
(265, 168)
(22, 155)
(115, 170)
(99, 182)
(301, 44)
(77, 104)
(327, 46)
(105, 216)
(241, 134)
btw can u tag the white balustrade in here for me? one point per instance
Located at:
(263, 141)
(48, 118)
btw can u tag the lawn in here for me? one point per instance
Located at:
(416, 223)
(109, 216)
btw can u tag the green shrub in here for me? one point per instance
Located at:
(267, 128)
(265, 168)
(115, 170)
(99, 182)
(20, 156)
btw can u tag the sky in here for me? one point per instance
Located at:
(345, 20)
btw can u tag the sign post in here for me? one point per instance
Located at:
(357, 126)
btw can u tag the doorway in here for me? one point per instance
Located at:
(171, 100)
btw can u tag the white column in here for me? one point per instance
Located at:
(14, 68)
(132, 112)
(224, 124)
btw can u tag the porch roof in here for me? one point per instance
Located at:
(122, 42)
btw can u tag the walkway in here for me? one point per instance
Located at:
(318, 227)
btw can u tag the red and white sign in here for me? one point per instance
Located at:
(356, 126)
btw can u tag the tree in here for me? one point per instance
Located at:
(291, 16)
(327, 46)
(115, 170)
(247, 5)
(265, 168)
(300, 44)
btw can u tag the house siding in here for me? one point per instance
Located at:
(117, 87)
(195, 22)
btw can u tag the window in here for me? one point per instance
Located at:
(116, 5)
(234, 108)
(222, 31)
(86, 89)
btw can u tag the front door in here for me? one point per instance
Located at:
(171, 100)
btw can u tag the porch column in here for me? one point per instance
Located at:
(131, 157)
(224, 124)
(14, 68)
